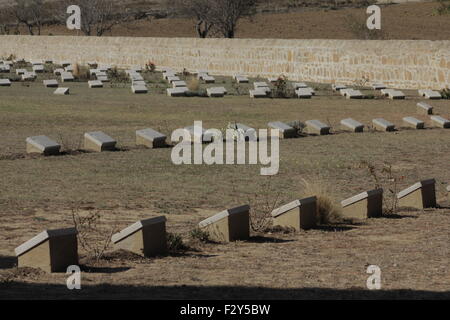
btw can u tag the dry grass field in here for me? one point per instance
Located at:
(37, 193)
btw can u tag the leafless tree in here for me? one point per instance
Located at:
(31, 13)
(100, 16)
(226, 14)
(215, 16)
(7, 21)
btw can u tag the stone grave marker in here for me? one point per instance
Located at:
(98, 141)
(67, 77)
(229, 225)
(147, 238)
(5, 83)
(139, 89)
(51, 83)
(317, 127)
(364, 205)
(420, 195)
(353, 125)
(42, 145)
(177, 92)
(430, 94)
(62, 91)
(216, 92)
(440, 121)
(150, 138)
(424, 108)
(413, 123)
(285, 131)
(299, 214)
(51, 250)
(383, 125)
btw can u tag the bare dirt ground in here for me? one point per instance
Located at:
(36, 193)
(399, 21)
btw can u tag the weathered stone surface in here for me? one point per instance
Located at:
(51, 250)
(285, 131)
(304, 93)
(241, 79)
(424, 108)
(420, 195)
(378, 86)
(98, 141)
(38, 68)
(20, 72)
(146, 237)
(216, 92)
(351, 93)
(29, 76)
(364, 205)
(5, 83)
(177, 92)
(383, 125)
(67, 77)
(42, 145)
(429, 94)
(137, 89)
(353, 125)
(58, 72)
(150, 138)
(179, 84)
(338, 87)
(173, 78)
(393, 94)
(258, 93)
(413, 123)
(95, 84)
(51, 83)
(62, 91)
(298, 85)
(440, 121)
(299, 214)
(228, 225)
(317, 127)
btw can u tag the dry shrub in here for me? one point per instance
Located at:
(328, 211)
(80, 72)
(193, 84)
(94, 233)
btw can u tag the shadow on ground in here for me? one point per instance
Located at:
(7, 262)
(19, 290)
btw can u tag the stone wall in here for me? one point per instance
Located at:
(401, 64)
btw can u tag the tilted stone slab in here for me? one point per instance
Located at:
(102, 78)
(20, 72)
(168, 74)
(299, 214)
(413, 123)
(208, 79)
(393, 94)
(258, 93)
(430, 94)
(352, 94)
(62, 91)
(338, 87)
(139, 89)
(365, 205)
(51, 83)
(147, 238)
(150, 138)
(68, 69)
(51, 250)
(228, 225)
(39, 68)
(67, 77)
(98, 141)
(93, 72)
(420, 195)
(136, 77)
(353, 125)
(285, 131)
(196, 135)
(241, 79)
(95, 84)
(138, 83)
(5, 83)
(440, 121)
(299, 85)
(42, 145)
(178, 84)
(424, 108)
(216, 92)
(317, 127)
(378, 86)
(104, 67)
(172, 79)
(29, 76)
(303, 93)
(263, 85)
(244, 131)
(383, 125)
(177, 92)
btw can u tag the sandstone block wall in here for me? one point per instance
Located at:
(402, 64)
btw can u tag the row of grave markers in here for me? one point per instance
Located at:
(55, 250)
(139, 86)
(98, 141)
